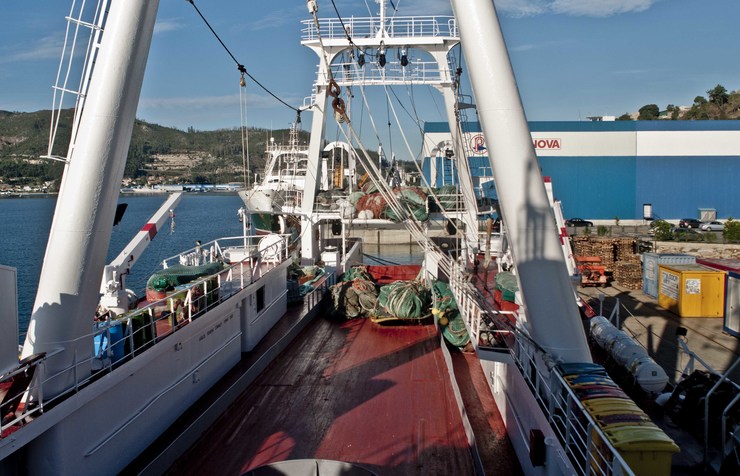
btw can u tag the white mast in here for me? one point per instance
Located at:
(545, 284)
(80, 233)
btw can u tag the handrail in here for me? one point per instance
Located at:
(592, 452)
(139, 328)
(369, 27)
(722, 379)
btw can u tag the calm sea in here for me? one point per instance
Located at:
(25, 224)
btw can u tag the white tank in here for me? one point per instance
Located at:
(629, 354)
(649, 375)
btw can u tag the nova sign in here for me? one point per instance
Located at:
(546, 144)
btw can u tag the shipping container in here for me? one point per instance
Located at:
(691, 290)
(650, 263)
(645, 448)
(722, 264)
(732, 305)
(731, 323)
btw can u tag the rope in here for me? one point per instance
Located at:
(346, 31)
(239, 66)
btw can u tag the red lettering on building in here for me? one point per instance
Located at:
(549, 144)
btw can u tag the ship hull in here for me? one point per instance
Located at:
(119, 415)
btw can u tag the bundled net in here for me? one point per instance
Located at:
(355, 197)
(357, 272)
(402, 300)
(356, 298)
(448, 315)
(412, 199)
(507, 284)
(301, 280)
(167, 279)
(373, 202)
(447, 196)
(455, 332)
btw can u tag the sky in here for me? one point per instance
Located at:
(572, 58)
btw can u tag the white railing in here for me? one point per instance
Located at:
(393, 73)
(588, 449)
(369, 27)
(118, 340)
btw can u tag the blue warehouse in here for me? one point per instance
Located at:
(606, 169)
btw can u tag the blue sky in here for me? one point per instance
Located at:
(572, 58)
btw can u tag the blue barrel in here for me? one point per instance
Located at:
(116, 342)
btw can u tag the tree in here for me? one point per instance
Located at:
(700, 101)
(718, 95)
(649, 112)
(625, 117)
(674, 111)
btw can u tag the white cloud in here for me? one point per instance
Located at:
(49, 47)
(600, 8)
(593, 8)
(163, 26)
(522, 8)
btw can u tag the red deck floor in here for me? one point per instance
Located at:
(352, 391)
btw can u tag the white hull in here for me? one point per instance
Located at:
(102, 428)
(256, 200)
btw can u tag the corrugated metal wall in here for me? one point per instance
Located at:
(605, 169)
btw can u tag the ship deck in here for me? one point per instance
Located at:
(380, 396)
(352, 391)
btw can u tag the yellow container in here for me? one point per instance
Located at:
(606, 406)
(646, 449)
(691, 290)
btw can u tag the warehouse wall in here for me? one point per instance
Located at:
(605, 169)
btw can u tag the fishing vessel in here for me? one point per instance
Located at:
(281, 190)
(215, 370)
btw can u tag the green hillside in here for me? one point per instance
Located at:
(166, 153)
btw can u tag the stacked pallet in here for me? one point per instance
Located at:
(599, 246)
(628, 274)
(625, 250)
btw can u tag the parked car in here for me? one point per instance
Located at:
(712, 226)
(578, 222)
(689, 223)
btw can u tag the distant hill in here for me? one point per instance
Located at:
(165, 152)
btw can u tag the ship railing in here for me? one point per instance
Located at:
(114, 341)
(371, 27)
(287, 200)
(449, 202)
(315, 296)
(416, 71)
(587, 447)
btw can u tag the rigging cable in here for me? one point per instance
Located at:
(240, 66)
(344, 27)
(413, 225)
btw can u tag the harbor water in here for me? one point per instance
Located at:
(199, 216)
